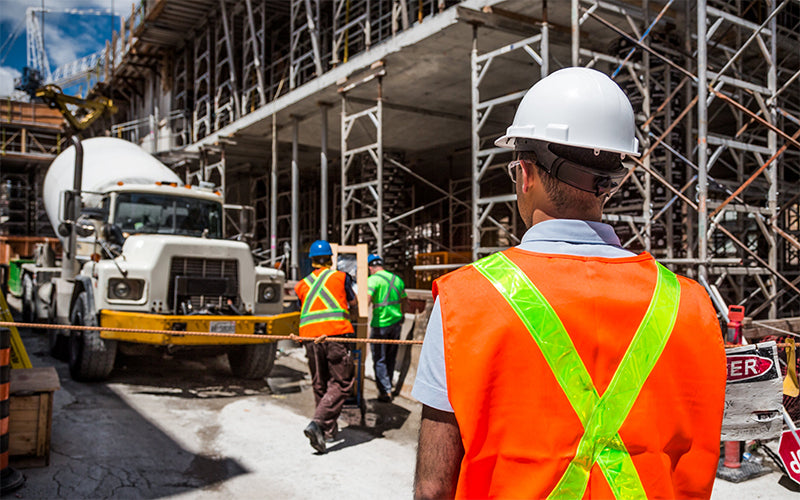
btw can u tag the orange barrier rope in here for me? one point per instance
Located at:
(182, 333)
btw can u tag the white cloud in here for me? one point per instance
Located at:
(61, 46)
(7, 76)
(14, 10)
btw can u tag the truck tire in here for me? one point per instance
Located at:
(252, 361)
(28, 300)
(90, 357)
(58, 342)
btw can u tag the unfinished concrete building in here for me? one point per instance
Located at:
(373, 121)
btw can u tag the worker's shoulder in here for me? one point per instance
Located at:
(690, 285)
(694, 295)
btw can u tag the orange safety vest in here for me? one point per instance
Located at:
(324, 304)
(520, 430)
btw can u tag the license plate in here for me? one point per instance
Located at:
(222, 327)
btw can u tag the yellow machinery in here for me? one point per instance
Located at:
(93, 108)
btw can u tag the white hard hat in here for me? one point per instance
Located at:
(578, 107)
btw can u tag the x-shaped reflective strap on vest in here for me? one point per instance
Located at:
(392, 288)
(601, 416)
(316, 291)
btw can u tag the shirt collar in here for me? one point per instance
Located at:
(572, 231)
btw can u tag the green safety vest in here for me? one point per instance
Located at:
(391, 297)
(318, 291)
(601, 416)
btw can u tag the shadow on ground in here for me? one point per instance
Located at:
(101, 447)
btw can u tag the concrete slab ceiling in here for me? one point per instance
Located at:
(426, 89)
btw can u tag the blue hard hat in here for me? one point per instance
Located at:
(320, 248)
(372, 258)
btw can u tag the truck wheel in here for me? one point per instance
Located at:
(90, 357)
(252, 361)
(28, 300)
(58, 343)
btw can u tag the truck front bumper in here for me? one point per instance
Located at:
(279, 324)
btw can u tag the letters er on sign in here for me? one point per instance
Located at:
(753, 394)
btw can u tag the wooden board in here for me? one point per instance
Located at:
(29, 380)
(753, 393)
(28, 113)
(31, 415)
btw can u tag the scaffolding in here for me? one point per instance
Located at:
(715, 86)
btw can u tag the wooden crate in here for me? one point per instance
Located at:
(31, 415)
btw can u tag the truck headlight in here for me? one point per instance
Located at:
(125, 289)
(268, 292)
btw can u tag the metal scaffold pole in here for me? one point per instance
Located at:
(772, 144)
(295, 210)
(323, 170)
(273, 196)
(702, 141)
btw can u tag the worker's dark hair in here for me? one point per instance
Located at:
(322, 260)
(561, 194)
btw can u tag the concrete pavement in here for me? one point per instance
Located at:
(188, 429)
(185, 428)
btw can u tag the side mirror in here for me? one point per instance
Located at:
(84, 230)
(67, 201)
(64, 229)
(113, 234)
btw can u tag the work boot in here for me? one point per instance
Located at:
(384, 398)
(315, 437)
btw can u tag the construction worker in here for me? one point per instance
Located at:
(568, 367)
(387, 294)
(328, 307)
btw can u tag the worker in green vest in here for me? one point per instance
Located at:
(388, 297)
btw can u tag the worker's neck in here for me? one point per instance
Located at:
(540, 215)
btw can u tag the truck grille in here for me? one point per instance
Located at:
(196, 269)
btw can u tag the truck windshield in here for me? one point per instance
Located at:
(156, 213)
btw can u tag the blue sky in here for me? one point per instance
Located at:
(67, 36)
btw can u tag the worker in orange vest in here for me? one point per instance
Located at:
(567, 366)
(328, 306)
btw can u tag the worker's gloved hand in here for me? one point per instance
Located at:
(320, 339)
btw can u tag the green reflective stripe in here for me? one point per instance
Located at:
(318, 317)
(386, 302)
(314, 284)
(546, 329)
(615, 404)
(601, 417)
(317, 290)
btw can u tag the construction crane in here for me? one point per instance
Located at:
(37, 72)
(37, 78)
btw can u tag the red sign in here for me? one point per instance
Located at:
(745, 367)
(789, 450)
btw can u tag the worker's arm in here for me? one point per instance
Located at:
(352, 307)
(439, 455)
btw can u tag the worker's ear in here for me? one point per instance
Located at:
(527, 177)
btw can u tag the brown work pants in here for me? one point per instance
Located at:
(332, 377)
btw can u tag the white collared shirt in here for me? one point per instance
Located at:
(555, 236)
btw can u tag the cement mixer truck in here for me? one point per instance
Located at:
(142, 250)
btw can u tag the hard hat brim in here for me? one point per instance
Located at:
(509, 142)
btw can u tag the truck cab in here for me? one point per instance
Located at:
(152, 256)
